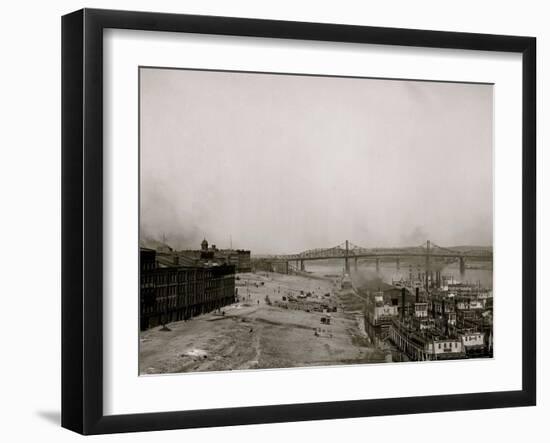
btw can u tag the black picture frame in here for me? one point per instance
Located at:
(82, 220)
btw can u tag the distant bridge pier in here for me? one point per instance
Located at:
(347, 257)
(428, 273)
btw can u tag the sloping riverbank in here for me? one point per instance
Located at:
(260, 332)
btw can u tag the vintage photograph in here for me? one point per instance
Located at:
(292, 220)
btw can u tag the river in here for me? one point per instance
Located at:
(388, 272)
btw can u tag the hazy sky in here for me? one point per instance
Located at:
(285, 163)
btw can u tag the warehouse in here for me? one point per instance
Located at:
(171, 292)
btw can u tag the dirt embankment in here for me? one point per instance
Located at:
(255, 333)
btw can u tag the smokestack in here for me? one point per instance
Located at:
(402, 303)
(417, 294)
(427, 279)
(444, 317)
(445, 320)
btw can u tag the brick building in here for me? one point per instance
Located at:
(172, 292)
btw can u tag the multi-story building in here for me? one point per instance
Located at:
(236, 257)
(171, 292)
(474, 342)
(437, 327)
(380, 309)
(239, 258)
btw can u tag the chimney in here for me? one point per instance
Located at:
(417, 294)
(427, 279)
(445, 319)
(444, 316)
(402, 303)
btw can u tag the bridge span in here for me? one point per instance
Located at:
(347, 251)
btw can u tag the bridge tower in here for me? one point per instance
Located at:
(347, 257)
(355, 263)
(302, 265)
(462, 266)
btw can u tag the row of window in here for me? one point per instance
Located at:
(167, 304)
(470, 338)
(180, 277)
(188, 289)
(147, 266)
(172, 299)
(448, 345)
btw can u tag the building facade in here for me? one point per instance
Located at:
(239, 258)
(435, 325)
(177, 292)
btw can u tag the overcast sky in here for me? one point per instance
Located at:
(284, 163)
